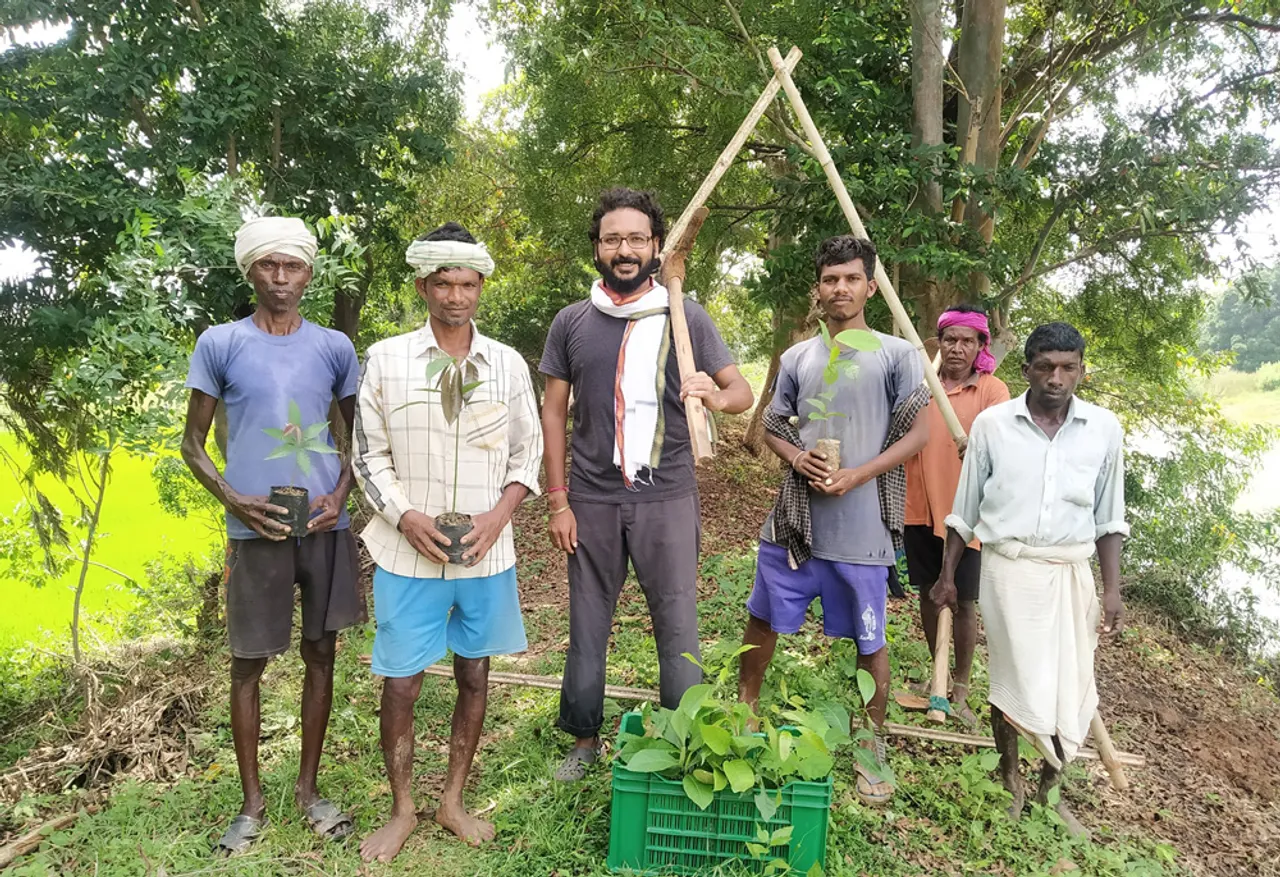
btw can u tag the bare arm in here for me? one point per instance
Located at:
(254, 511)
(563, 526)
(944, 591)
(1109, 562)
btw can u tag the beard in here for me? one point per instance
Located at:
(625, 286)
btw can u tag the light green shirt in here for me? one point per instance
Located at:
(1017, 484)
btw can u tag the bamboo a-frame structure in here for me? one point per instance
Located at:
(680, 242)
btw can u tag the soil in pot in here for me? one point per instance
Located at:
(830, 448)
(454, 526)
(298, 502)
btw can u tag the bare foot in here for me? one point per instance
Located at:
(1019, 801)
(1074, 828)
(385, 843)
(469, 829)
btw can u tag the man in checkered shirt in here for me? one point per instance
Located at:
(414, 465)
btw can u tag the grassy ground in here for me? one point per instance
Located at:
(132, 520)
(1242, 400)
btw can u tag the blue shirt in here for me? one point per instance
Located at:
(849, 528)
(256, 376)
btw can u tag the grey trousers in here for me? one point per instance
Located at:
(661, 539)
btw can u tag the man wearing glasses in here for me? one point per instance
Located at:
(631, 493)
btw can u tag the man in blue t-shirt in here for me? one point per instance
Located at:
(845, 552)
(258, 367)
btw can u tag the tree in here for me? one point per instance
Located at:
(324, 109)
(1246, 321)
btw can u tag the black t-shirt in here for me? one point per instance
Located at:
(582, 348)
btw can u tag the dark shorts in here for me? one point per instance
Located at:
(261, 575)
(853, 596)
(924, 563)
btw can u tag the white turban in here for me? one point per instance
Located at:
(273, 234)
(428, 257)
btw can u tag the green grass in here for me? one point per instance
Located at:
(134, 530)
(1241, 399)
(946, 818)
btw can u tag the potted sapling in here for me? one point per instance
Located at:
(299, 442)
(455, 382)
(824, 403)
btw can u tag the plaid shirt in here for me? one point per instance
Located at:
(405, 455)
(792, 525)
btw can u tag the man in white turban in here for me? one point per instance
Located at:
(271, 369)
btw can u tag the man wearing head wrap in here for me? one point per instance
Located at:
(964, 340)
(631, 495)
(416, 460)
(259, 367)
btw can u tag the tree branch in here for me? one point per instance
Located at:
(1233, 18)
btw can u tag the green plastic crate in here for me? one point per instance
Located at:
(655, 829)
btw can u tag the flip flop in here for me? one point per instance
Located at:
(240, 835)
(327, 821)
(872, 790)
(575, 764)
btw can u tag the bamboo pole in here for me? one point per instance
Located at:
(32, 839)
(731, 150)
(855, 224)
(673, 278)
(941, 666)
(1107, 751)
(620, 692)
(679, 243)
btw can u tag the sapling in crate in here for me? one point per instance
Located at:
(824, 403)
(455, 380)
(299, 442)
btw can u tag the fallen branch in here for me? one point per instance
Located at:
(619, 692)
(32, 839)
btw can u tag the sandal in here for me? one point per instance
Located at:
(240, 835)
(574, 767)
(327, 821)
(872, 790)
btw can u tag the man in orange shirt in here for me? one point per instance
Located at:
(932, 475)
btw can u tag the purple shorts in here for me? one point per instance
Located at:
(853, 596)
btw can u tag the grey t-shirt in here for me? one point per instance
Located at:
(582, 348)
(849, 528)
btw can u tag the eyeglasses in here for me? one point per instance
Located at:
(635, 241)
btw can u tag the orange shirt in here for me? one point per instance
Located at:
(932, 474)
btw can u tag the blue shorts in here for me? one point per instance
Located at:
(853, 596)
(419, 620)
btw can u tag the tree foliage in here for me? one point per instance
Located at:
(1246, 321)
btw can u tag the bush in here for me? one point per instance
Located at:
(1269, 377)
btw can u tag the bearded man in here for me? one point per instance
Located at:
(631, 495)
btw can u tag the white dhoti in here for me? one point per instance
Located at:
(1040, 610)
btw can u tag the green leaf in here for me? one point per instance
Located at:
(781, 837)
(467, 388)
(818, 403)
(699, 792)
(825, 332)
(784, 747)
(719, 780)
(718, 740)
(314, 430)
(316, 446)
(740, 775)
(277, 434)
(678, 727)
(830, 373)
(304, 464)
(295, 414)
(866, 686)
(815, 871)
(451, 395)
(693, 698)
(282, 451)
(767, 805)
(652, 761)
(989, 760)
(756, 850)
(436, 366)
(859, 339)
